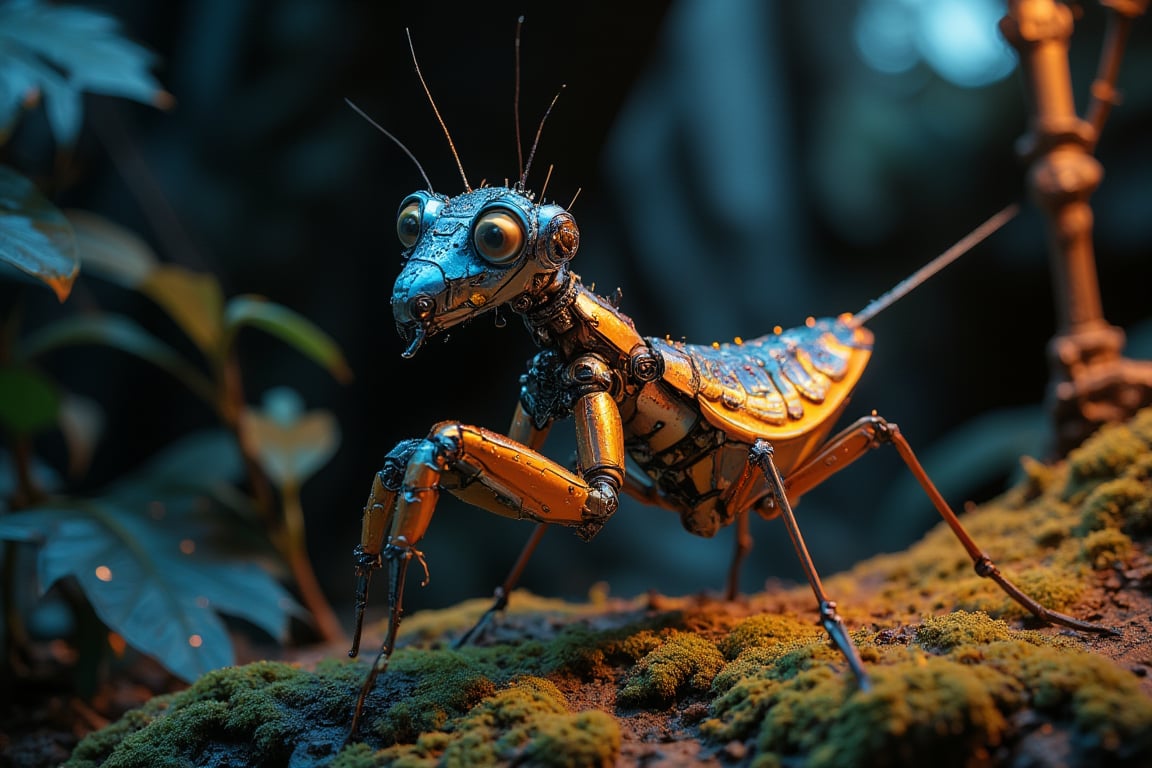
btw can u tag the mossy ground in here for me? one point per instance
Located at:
(960, 674)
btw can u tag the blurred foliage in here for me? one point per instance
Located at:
(159, 552)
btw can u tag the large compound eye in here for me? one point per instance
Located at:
(499, 236)
(408, 224)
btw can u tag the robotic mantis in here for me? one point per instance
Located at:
(713, 432)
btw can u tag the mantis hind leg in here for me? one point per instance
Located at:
(873, 431)
(503, 590)
(760, 456)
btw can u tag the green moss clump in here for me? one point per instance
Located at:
(767, 629)
(590, 654)
(1124, 504)
(447, 684)
(931, 710)
(946, 633)
(1107, 454)
(261, 710)
(1107, 548)
(947, 700)
(683, 663)
(526, 723)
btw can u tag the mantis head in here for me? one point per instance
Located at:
(472, 253)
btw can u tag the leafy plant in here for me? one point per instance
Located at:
(161, 554)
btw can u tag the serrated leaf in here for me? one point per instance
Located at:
(149, 582)
(120, 333)
(109, 250)
(289, 326)
(35, 237)
(29, 401)
(192, 299)
(65, 50)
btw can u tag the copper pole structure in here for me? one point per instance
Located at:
(1091, 383)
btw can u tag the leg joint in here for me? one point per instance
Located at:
(760, 454)
(985, 567)
(883, 430)
(392, 474)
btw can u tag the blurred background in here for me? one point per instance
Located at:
(735, 165)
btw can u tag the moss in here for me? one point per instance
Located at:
(1107, 549)
(683, 663)
(946, 633)
(948, 700)
(261, 710)
(767, 629)
(952, 681)
(589, 653)
(1106, 455)
(527, 723)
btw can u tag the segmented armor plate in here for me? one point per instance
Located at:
(773, 379)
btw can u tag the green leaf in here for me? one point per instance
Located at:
(111, 251)
(120, 333)
(29, 401)
(151, 581)
(192, 299)
(62, 51)
(35, 237)
(290, 327)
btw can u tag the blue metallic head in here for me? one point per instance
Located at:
(468, 254)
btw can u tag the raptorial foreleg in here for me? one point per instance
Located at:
(506, 477)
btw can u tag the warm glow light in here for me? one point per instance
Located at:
(104, 573)
(117, 644)
(187, 546)
(195, 641)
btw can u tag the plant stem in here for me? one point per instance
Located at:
(329, 627)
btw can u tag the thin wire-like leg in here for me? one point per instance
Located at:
(983, 563)
(761, 456)
(743, 547)
(504, 590)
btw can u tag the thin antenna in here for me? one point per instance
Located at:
(536, 141)
(397, 141)
(428, 93)
(573, 202)
(516, 102)
(545, 187)
(967, 243)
